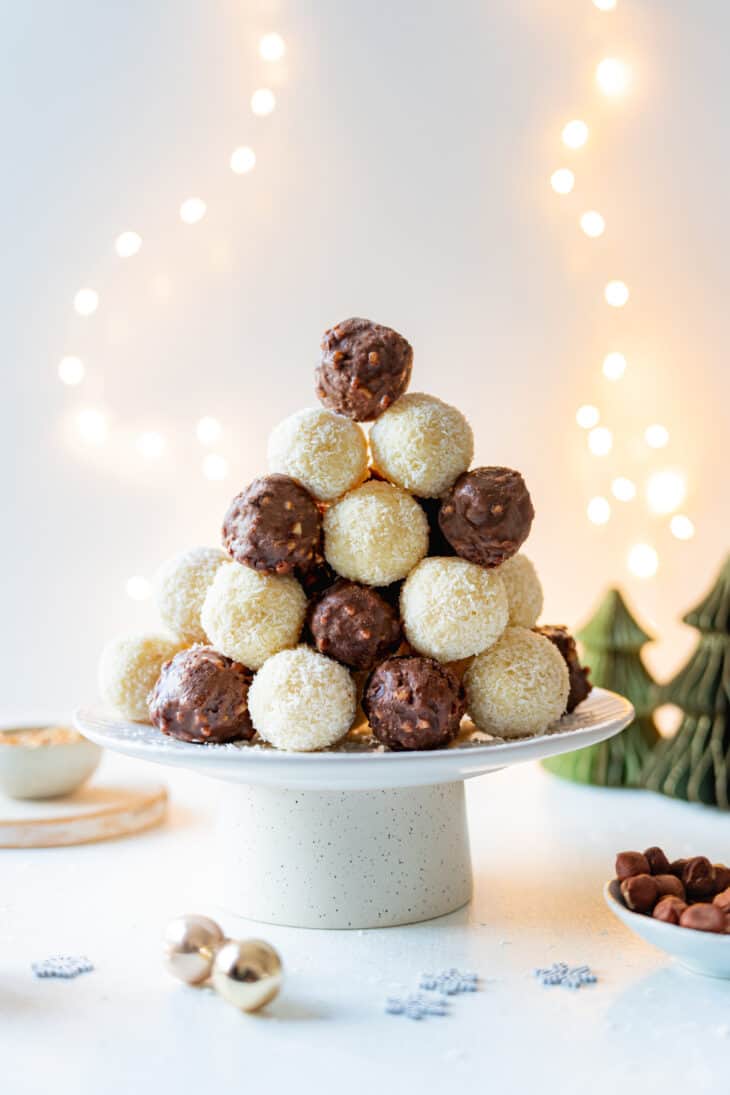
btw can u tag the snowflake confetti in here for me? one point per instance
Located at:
(449, 982)
(62, 965)
(572, 977)
(417, 1005)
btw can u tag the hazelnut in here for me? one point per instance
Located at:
(631, 863)
(677, 866)
(721, 901)
(669, 885)
(658, 862)
(704, 918)
(722, 877)
(698, 877)
(669, 909)
(640, 892)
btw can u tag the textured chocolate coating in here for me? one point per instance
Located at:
(413, 703)
(487, 515)
(316, 576)
(354, 625)
(273, 526)
(580, 686)
(704, 918)
(202, 696)
(363, 370)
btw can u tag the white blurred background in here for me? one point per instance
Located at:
(403, 175)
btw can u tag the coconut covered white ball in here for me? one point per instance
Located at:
(301, 700)
(181, 584)
(128, 669)
(452, 609)
(422, 444)
(524, 591)
(326, 452)
(517, 687)
(250, 616)
(375, 534)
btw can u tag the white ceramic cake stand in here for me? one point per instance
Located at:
(349, 839)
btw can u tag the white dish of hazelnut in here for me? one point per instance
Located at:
(44, 761)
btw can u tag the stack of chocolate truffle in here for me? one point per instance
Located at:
(366, 573)
(693, 893)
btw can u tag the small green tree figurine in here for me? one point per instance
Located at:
(612, 641)
(695, 763)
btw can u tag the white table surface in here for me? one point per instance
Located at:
(542, 849)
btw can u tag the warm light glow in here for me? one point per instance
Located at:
(575, 134)
(215, 466)
(587, 416)
(666, 490)
(600, 441)
(605, 5)
(616, 293)
(613, 76)
(656, 436)
(208, 430)
(643, 561)
(593, 224)
(150, 445)
(193, 210)
(263, 101)
(599, 510)
(624, 489)
(562, 180)
(92, 426)
(127, 244)
(243, 160)
(682, 527)
(614, 366)
(272, 47)
(71, 370)
(86, 302)
(138, 588)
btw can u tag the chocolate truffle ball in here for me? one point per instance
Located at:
(364, 368)
(128, 669)
(317, 576)
(413, 703)
(181, 584)
(302, 701)
(517, 687)
(272, 526)
(326, 452)
(421, 444)
(487, 515)
(202, 696)
(354, 625)
(452, 609)
(250, 616)
(375, 534)
(580, 686)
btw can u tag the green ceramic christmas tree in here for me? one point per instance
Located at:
(612, 642)
(695, 763)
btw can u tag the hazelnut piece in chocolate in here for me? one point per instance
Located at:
(669, 909)
(363, 370)
(413, 703)
(631, 863)
(704, 918)
(354, 625)
(202, 696)
(640, 892)
(670, 886)
(487, 515)
(273, 526)
(658, 862)
(698, 877)
(580, 686)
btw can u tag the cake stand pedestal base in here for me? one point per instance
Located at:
(344, 859)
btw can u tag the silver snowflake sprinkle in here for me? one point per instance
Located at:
(417, 1005)
(62, 965)
(449, 982)
(572, 977)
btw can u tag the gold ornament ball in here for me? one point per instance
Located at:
(190, 945)
(247, 974)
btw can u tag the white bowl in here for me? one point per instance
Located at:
(702, 952)
(44, 771)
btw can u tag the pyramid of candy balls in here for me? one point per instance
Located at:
(369, 579)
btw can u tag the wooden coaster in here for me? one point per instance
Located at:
(97, 812)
